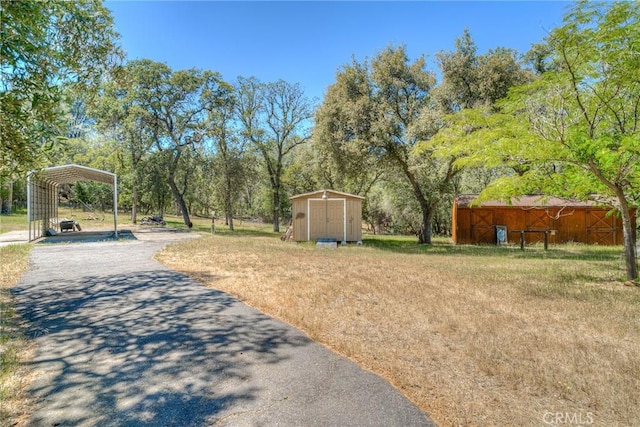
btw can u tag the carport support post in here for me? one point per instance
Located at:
(29, 207)
(115, 205)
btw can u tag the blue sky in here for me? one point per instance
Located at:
(308, 42)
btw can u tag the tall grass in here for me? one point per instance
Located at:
(472, 335)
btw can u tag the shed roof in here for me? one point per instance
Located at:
(536, 200)
(67, 174)
(321, 192)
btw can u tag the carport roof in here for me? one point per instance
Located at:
(42, 200)
(67, 174)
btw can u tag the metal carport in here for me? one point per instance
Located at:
(42, 194)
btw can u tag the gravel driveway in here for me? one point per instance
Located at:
(124, 341)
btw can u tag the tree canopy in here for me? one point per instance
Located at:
(586, 113)
(46, 46)
(275, 119)
(384, 115)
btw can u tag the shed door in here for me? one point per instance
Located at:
(537, 219)
(601, 228)
(483, 226)
(326, 219)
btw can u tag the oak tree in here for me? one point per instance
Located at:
(275, 119)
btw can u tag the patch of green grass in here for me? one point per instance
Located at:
(241, 227)
(444, 246)
(13, 222)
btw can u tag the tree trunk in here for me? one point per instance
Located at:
(628, 231)
(6, 203)
(9, 202)
(425, 233)
(134, 202)
(180, 201)
(228, 204)
(160, 201)
(230, 222)
(276, 209)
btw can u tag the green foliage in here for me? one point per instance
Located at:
(574, 131)
(470, 80)
(371, 118)
(155, 195)
(584, 116)
(225, 168)
(389, 117)
(176, 135)
(150, 109)
(401, 212)
(45, 47)
(275, 121)
(460, 74)
(302, 172)
(92, 196)
(345, 159)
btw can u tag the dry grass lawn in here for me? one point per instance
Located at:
(15, 350)
(472, 335)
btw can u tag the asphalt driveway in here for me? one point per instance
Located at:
(124, 341)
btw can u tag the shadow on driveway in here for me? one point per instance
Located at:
(170, 353)
(133, 343)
